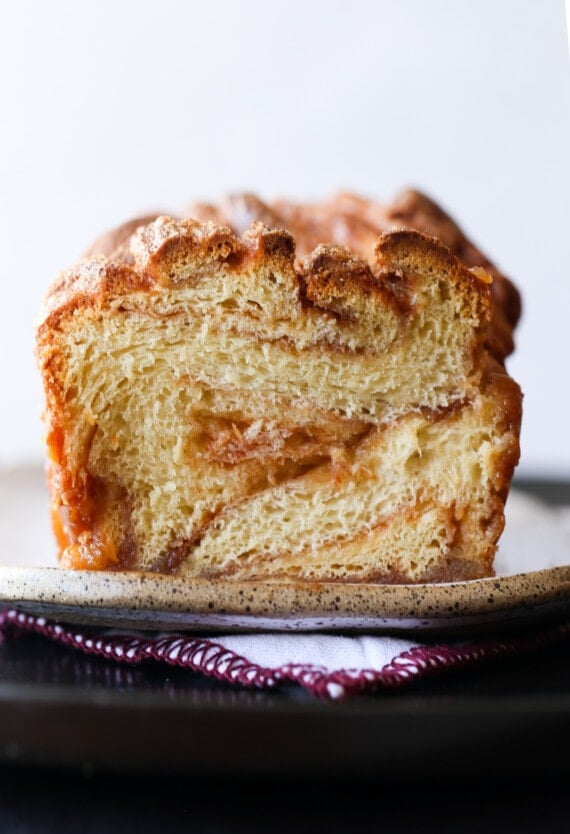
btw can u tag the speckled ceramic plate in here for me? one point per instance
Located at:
(146, 601)
(532, 582)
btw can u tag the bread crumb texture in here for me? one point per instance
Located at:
(282, 393)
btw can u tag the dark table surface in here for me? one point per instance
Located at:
(87, 745)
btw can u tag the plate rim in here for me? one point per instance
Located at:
(85, 595)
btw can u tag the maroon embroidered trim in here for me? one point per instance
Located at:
(213, 660)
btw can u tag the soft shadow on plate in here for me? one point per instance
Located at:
(532, 582)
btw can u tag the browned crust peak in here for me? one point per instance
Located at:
(415, 210)
(285, 227)
(356, 222)
(168, 252)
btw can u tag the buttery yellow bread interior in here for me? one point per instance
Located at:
(282, 393)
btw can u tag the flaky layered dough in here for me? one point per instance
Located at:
(267, 392)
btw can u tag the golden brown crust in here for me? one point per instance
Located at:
(158, 251)
(150, 245)
(415, 210)
(168, 252)
(91, 283)
(355, 222)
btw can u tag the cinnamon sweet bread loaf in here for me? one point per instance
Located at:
(285, 392)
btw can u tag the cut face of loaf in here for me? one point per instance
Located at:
(216, 408)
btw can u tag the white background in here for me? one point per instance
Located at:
(110, 109)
